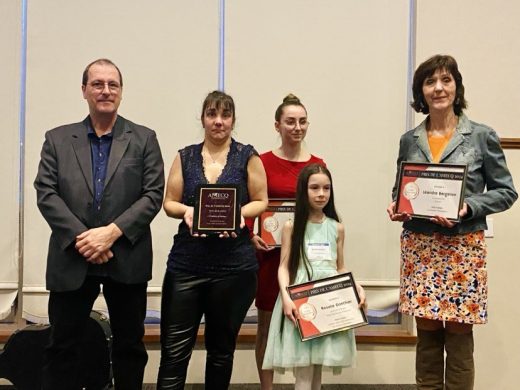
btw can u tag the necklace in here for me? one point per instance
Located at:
(217, 160)
(213, 166)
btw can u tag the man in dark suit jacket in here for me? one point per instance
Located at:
(100, 183)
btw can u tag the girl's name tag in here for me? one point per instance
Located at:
(318, 251)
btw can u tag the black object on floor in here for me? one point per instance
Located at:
(21, 359)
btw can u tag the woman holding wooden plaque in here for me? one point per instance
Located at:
(282, 165)
(211, 272)
(443, 260)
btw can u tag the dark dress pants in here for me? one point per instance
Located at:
(68, 314)
(224, 301)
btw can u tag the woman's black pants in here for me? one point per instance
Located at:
(224, 301)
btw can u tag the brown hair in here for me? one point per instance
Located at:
(297, 254)
(289, 100)
(427, 69)
(100, 61)
(218, 100)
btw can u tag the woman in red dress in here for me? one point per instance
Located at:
(282, 166)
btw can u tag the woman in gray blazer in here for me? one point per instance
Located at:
(443, 263)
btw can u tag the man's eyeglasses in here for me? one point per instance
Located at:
(99, 86)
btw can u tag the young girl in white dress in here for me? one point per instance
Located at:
(316, 224)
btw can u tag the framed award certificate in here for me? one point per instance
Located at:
(272, 220)
(327, 306)
(426, 190)
(217, 209)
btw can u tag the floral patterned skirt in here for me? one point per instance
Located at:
(444, 277)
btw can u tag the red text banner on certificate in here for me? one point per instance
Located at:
(327, 306)
(426, 190)
(272, 220)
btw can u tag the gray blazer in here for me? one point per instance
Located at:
(489, 185)
(132, 197)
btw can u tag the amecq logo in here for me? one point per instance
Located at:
(218, 195)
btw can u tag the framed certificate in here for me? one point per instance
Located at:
(217, 209)
(272, 220)
(426, 190)
(327, 306)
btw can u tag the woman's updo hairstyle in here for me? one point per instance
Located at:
(289, 100)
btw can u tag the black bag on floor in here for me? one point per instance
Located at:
(21, 359)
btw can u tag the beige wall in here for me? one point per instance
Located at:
(482, 35)
(346, 60)
(10, 28)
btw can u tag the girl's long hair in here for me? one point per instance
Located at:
(301, 216)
